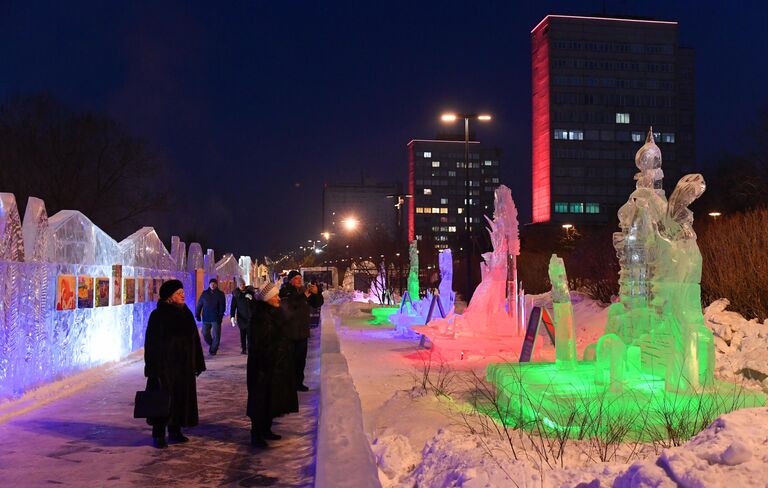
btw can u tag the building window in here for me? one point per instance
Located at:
(569, 135)
(668, 137)
(451, 228)
(443, 210)
(427, 191)
(637, 136)
(576, 207)
(561, 207)
(435, 164)
(593, 208)
(427, 154)
(622, 118)
(487, 163)
(443, 201)
(436, 210)
(460, 210)
(451, 173)
(419, 209)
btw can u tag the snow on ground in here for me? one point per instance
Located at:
(421, 438)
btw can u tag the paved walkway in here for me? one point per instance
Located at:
(92, 439)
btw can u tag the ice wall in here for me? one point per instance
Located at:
(39, 342)
(195, 257)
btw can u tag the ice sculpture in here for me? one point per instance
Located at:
(176, 252)
(413, 271)
(195, 257)
(227, 268)
(11, 252)
(655, 362)
(209, 262)
(270, 268)
(246, 269)
(144, 249)
(379, 290)
(505, 213)
(447, 295)
(35, 230)
(73, 238)
(348, 282)
(565, 330)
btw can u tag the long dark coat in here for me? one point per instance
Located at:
(173, 357)
(271, 388)
(297, 307)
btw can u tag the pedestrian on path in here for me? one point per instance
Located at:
(173, 357)
(265, 323)
(210, 310)
(240, 311)
(296, 301)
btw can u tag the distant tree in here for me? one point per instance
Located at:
(80, 161)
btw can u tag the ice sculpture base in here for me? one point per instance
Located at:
(569, 401)
(450, 348)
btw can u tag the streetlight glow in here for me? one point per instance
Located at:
(448, 118)
(350, 223)
(567, 226)
(484, 117)
(715, 214)
(326, 235)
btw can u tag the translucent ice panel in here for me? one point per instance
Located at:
(74, 239)
(195, 257)
(35, 230)
(227, 267)
(144, 249)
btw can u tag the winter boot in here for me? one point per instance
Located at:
(159, 442)
(258, 441)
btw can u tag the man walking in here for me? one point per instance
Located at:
(240, 311)
(296, 300)
(210, 311)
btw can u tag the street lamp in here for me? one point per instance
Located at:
(452, 117)
(715, 215)
(350, 223)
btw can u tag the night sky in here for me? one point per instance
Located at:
(256, 104)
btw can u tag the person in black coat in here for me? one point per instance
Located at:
(173, 357)
(265, 323)
(240, 312)
(296, 302)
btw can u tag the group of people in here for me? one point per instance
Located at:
(274, 332)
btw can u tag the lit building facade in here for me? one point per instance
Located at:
(437, 178)
(598, 85)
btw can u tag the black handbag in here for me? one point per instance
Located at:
(149, 404)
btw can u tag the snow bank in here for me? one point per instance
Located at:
(740, 346)
(344, 457)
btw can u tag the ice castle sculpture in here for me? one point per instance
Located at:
(227, 268)
(74, 239)
(144, 249)
(246, 269)
(660, 294)
(195, 257)
(209, 262)
(11, 250)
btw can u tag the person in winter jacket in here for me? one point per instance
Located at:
(296, 301)
(240, 312)
(210, 310)
(265, 322)
(173, 357)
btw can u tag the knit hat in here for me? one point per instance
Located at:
(169, 288)
(268, 291)
(293, 274)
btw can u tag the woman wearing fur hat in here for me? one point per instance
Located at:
(266, 322)
(173, 357)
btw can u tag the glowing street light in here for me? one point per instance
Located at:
(326, 235)
(567, 226)
(350, 223)
(715, 215)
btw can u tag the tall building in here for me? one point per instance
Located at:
(368, 201)
(598, 85)
(437, 177)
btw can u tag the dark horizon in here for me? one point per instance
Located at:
(292, 96)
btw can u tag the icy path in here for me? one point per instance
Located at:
(92, 439)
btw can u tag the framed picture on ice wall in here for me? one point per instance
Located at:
(102, 291)
(129, 291)
(65, 292)
(117, 284)
(84, 292)
(139, 290)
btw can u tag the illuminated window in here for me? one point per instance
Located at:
(435, 164)
(622, 118)
(487, 163)
(427, 154)
(561, 207)
(436, 210)
(427, 210)
(451, 228)
(668, 137)
(576, 207)
(451, 173)
(427, 191)
(593, 208)
(443, 201)
(443, 210)
(637, 136)
(461, 210)
(419, 209)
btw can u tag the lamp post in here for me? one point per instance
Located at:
(452, 117)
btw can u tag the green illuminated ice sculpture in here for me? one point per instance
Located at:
(654, 364)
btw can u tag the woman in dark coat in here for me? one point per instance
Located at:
(271, 392)
(173, 357)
